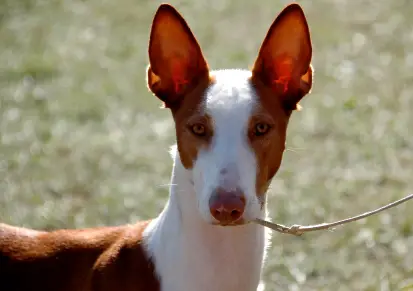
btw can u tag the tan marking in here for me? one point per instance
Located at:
(190, 112)
(282, 76)
(179, 76)
(176, 61)
(112, 258)
(107, 258)
(284, 58)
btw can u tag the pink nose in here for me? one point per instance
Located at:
(227, 206)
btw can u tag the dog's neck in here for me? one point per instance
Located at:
(190, 254)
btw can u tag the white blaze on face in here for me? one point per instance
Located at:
(231, 154)
(229, 161)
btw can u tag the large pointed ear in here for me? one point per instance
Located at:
(176, 60)
(284, 59)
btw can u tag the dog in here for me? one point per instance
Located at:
(231, 129)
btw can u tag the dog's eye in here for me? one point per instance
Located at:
(261, 129)
(198, 129)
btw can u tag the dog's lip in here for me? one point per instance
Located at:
(239, 222)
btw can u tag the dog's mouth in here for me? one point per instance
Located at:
(239, 222)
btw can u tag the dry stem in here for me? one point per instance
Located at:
(300, 229)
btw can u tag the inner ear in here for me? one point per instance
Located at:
(176, 59)
(306, 81)
(283, 62)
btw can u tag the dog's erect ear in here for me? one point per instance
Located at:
(176, 60)
(284, 59)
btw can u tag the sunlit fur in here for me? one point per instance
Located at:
(185, 248)
(229, 103)
(189, 252)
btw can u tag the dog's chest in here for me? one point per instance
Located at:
(231, 263)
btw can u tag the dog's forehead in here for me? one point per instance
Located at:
(231, 96)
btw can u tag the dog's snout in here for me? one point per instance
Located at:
(227, 206)
(223, 171)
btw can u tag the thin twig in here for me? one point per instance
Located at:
(300, 229)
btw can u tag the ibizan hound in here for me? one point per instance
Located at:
(231, 130)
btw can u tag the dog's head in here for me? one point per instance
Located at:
(230, 124)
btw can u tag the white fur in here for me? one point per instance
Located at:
(229, 103)
(188, 251)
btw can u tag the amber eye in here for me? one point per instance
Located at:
(261, 129)
(198, 129)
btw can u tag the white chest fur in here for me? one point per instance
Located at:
(190, 254)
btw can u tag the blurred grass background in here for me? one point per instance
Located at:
(83, 143)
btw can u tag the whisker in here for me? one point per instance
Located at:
(261, 199)
(295, 150)
(167, 185)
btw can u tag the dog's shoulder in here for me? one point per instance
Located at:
(125, 264)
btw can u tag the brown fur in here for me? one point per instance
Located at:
(176, 61)
(178, 75)
(101, 259)
(113, 258)
(282, 76)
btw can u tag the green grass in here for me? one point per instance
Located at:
(83, 143)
